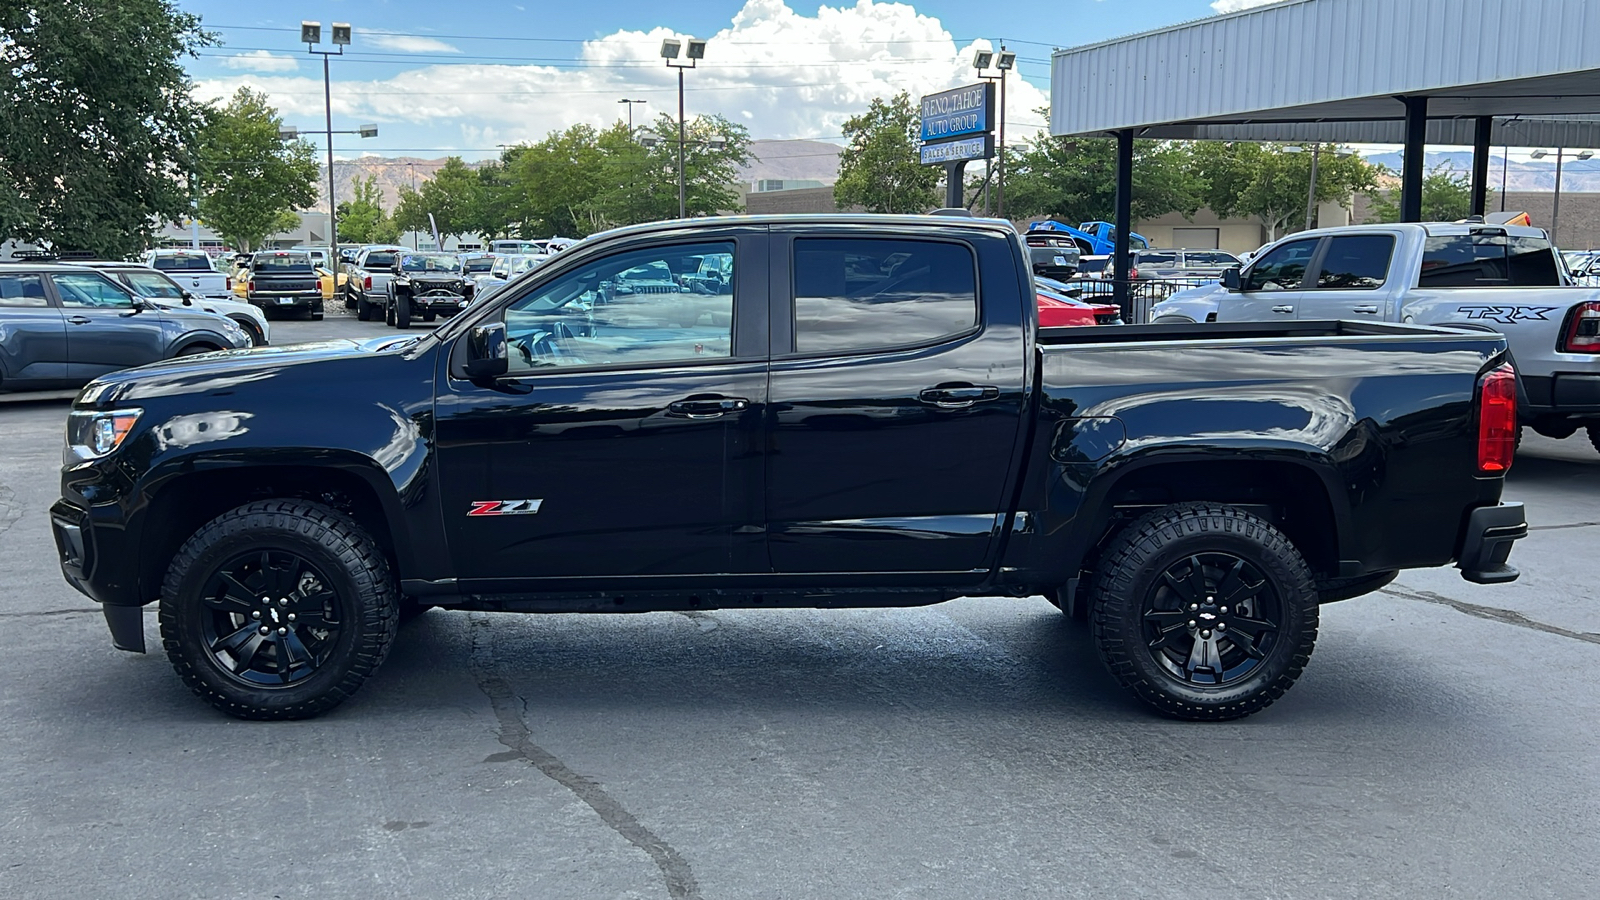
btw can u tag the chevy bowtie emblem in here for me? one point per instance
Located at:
(504, 507)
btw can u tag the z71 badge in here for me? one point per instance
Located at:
(504, 507)
(1508, 314)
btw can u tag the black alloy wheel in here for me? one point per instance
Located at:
(270, 617)
(278, 609)
(1206, 612)
(1211, 619)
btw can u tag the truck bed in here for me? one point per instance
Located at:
(1222, 331)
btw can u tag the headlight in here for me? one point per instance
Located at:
(94, 434)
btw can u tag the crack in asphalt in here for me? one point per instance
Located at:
(1569, 525)
(45, 612)
(1493, 614)
(10, 512)
(511, 711)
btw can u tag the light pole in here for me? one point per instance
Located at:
(289, 133)
(630, 112)
(1555, 212)
(412, 168)
(311, 35)
(695, 52)
(1003, 61)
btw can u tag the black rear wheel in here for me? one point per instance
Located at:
(1205, 612)
(279, 609)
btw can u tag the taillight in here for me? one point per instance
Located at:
(1582, 334)
(1497, 419)
(366, 283)
(229, 282)
(251, 287)
(1132, 273)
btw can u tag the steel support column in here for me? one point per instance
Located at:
(1124, 222)
(1411, 169)
(955, 184)
(1480, 165)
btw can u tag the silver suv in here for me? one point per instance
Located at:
(63, 326)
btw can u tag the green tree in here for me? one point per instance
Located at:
(1075, 179)
(362, 219)
(1270, 182)
(553, 183)
(1446, 197)
(879, 169)
(450, 197)
(97, 124)
(250, 178)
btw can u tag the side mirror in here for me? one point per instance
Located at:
(487, 357)
(1230, 279)
(188, 299)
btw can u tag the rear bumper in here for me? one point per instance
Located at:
(311, 300)
(1562, 394)
(1491, 530)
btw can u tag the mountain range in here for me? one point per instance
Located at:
(786, 160)
(1578, 176)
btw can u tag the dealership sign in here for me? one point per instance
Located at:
(980, 147)
(963, 112)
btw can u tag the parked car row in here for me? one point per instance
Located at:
(64, 324)
(400, 285)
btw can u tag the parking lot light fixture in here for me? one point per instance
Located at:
(982, 59)
(311, 35)
(670, 47)
(630, 112)
(1003, 61)
(1555, 205)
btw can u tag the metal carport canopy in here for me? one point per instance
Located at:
(1343, 65)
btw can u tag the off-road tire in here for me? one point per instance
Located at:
(345, 553)
(402, 311)
(364, 310)
(1129, 571)
(388, 312)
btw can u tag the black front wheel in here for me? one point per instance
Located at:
(278, 609)
(1205, 612)
(402, 311)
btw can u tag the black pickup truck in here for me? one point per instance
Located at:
(869, 416)
(425, 286)
(283, 281)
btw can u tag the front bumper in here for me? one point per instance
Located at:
(439, 303)
(1491, 530)
(87, 563)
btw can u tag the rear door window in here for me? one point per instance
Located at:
(1356, 262)
(22, 290)
(867, 293)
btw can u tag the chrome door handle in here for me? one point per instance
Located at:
(1369, 310)
(1283, 309)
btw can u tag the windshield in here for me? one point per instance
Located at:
(268, 263)
(183, 262)
(153, 284)
(429, 262)
(479, 265)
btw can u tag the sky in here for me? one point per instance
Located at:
(440, 78)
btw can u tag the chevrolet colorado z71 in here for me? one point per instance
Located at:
(868, 416)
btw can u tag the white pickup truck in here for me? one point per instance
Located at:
(1499, 278)
(193, 270)
(367, 288)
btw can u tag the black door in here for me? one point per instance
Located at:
(895, 412)
(33, 335)
(627, 439)
(106, 329)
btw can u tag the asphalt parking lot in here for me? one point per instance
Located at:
(1442, 743)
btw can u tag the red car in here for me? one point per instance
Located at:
(1058, 310)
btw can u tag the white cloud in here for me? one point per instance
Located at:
(406, 43)
(1228, 6)
(261, 61)
(786, 74)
